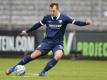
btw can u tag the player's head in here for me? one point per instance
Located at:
(54, 9)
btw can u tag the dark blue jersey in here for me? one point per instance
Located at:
(56, 26)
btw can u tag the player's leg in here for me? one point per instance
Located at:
(26, 59)
(41, 50)
(58, 53)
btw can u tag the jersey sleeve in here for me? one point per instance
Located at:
(75, 22)
(37, 25)
(43, 21)
(34, 27)
(70, 20)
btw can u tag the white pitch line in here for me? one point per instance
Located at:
(23, 76)
(26, 75)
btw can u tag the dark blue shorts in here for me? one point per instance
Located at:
(45, 47)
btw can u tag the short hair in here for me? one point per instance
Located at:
(54, 4)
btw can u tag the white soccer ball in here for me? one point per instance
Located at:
(20, 70)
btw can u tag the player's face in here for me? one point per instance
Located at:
(54, 11)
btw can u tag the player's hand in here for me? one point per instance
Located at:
(88, 22)
(23, 33)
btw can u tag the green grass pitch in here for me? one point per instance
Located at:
(64, 70)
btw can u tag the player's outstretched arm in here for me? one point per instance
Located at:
(77, 22)
(36, 26)
(81, 23)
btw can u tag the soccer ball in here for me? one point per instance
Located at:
(20, 70)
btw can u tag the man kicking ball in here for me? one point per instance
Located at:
(56, 24)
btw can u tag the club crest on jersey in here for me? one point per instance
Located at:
(60, 21)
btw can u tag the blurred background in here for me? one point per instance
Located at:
(79, 42)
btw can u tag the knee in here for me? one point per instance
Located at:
(36, 54)
(58, 55)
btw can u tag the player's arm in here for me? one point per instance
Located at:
(34, 27)
(81, 23)
(78, 23)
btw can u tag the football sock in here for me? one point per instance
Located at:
(24, 60)
(50, 64)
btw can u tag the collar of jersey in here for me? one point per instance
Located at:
(57, 16)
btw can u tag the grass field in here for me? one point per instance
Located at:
(64, 70)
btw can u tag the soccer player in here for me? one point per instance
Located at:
(56, 23)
